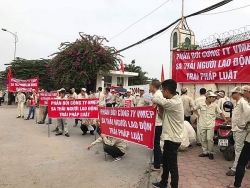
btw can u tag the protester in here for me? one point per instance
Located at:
(20, 100)
(114, 98)
(172, 131)
(238, 125)
(188, 104)
(108, 98)
(141, 101)
(220, 103)
(244, 157)
(206, 119)
(62, 123)
(88, 125)
(73, 94)
(116, 148)
(198, 100)
(155, 90)
(91, 94)
(129, 96)
(46, 112)
(100, 96)
(189, 136)
(1, 97)
(226, 98)
(33, 103)
(82, 95)
(42, 110)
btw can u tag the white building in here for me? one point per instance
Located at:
(113, 78)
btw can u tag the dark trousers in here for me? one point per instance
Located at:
(1, 100)
(45, 115)
(84, 128)
(113, 104)
(170, 164)
(157, 147)
(76, 121)
(187, 118)
(113, 151)
(109, 105)
(242, 162)
(32, 111)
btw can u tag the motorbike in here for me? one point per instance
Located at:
(225, 135)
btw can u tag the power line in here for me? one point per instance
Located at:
(164, 29)
(201, 15)
(139, 20)
(227, 10)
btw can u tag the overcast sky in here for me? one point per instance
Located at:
(42, 25)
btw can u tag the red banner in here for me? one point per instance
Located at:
(136, 125)
(127, 103)
(226, 64)
(24, 85)
(45, 96)
(76, 108)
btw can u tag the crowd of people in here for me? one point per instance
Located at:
(180, 122)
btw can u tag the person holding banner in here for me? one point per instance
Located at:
(62, 123)
(172, 131)
(33, 103)
(82, 95)
(20, 100)
(42, 110)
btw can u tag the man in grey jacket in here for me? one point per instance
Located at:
(172, 130)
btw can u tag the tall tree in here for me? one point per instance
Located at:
(25, 69)
(79, 62)
(138, 80)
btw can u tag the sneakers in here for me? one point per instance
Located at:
(158, 185)
(22, 116)
(58, 134)
(18, 116)
(117, 159)
(41, 122)
(67, 135)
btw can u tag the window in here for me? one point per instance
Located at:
(187, 41)
(175, 40)
(107, 81)
(120, 81)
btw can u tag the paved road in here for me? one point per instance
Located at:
(31, 159)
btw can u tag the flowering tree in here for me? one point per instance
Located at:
(77, 63)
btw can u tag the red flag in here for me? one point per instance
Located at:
(9, 76)
(162, 74)
(122, 67)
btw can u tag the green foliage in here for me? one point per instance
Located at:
(78, 62)
(184, 46)
(26, 69)
(138, 80)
